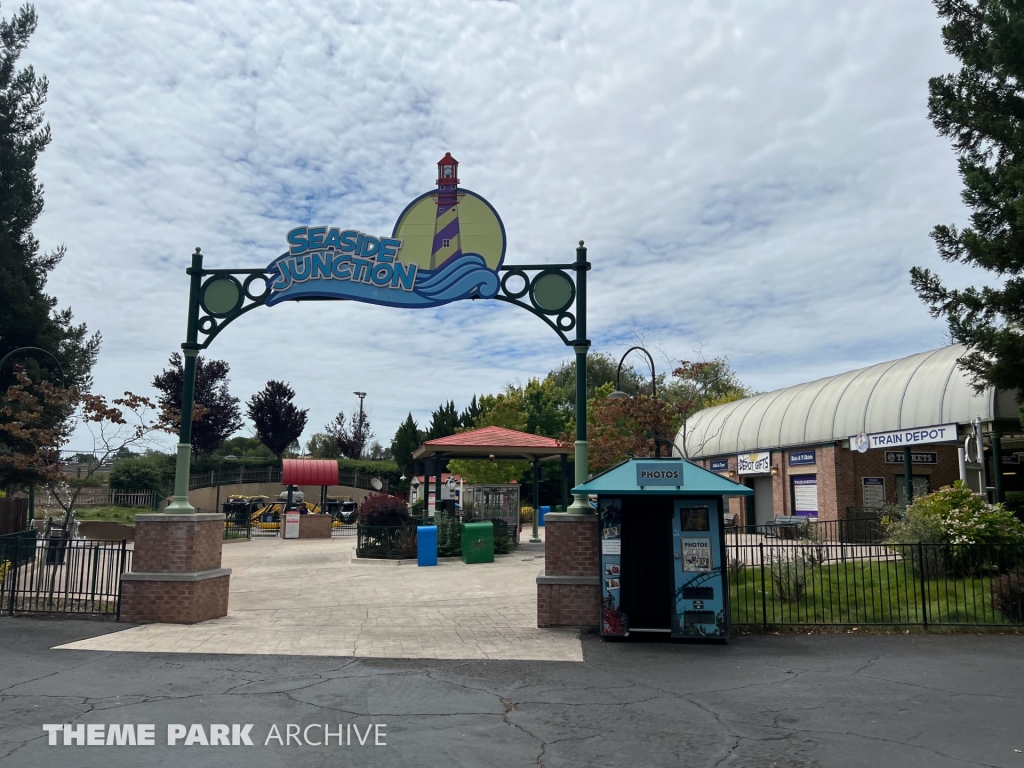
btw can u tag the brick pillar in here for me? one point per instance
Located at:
(569, 587)
(176, 576)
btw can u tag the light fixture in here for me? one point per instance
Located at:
(618, 394)
(402, 478)
(775, 471)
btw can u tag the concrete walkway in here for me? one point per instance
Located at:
(314, 598)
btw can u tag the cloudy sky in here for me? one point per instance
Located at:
(754, 176)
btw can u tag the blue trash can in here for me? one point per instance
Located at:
(426, 545)
(540, 520)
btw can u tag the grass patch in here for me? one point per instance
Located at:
(114, 514)
(860, 593)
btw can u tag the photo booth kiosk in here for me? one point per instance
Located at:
(662, 548)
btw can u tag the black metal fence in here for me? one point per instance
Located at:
(850, 531)
(62, 576)
(244, 527)
(390, 542)
(272, 474)
(776, 583)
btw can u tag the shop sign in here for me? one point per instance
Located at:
(430, 259)
(805, 495)
(873, 490)
(754, 463)
(1011, 458)
(943, 433)
(896, 457)
(719, 465)
(801, 458)
(652, 473)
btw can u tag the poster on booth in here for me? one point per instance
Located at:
(613, 621)
(291, 525)
(697, 555)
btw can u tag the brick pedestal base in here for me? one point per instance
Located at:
(313, 526)
(176, 575)
(569, 587)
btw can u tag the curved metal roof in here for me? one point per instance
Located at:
(917, 391)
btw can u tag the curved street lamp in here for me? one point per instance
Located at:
(618, 394)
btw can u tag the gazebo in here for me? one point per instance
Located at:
(497, 444)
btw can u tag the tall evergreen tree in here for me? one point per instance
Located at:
(222, 417)
(277, 419)
(980, 108)
(406, 440)
(444, 421)
(28, 316)
(468, 416)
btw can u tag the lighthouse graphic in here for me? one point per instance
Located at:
(447, 236)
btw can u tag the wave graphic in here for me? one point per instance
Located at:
(458, 279)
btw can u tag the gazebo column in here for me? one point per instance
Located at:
(565, 483)
(535, 538)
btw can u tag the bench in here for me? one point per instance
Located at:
(789, 526)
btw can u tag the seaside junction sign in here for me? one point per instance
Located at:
(446, 245)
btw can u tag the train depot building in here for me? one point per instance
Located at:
(840, 447)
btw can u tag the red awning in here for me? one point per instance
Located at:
(310, 472)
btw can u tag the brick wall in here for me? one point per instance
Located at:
(571, 547)
(568, 605)
(313, 527)
(174, 602)
(872, 464)
(177, 546)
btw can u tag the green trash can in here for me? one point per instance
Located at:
(477, 543)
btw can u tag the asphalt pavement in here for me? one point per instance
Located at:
(791, 700)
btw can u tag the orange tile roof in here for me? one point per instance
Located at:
(494, 437)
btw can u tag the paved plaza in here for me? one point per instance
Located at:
(759, 702)
(312, 597)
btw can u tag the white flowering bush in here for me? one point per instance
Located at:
(954, 515)
(956, 518)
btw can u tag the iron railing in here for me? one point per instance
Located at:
(863, 531)
(776, 583)
(272, 474)
(388, 542)
(248, 529)
(62, 576)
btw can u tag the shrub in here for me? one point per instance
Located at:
(381, 509)
(789, 575)
(1008, 596)
(954, 515)
(150, 473)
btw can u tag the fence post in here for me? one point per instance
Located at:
(124, 557)
(924, 598)
(764, 601)
(14, 579)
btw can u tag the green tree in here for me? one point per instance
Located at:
(151, 473)
(406, 440)
(545, 411)
(277, 419)
(28, 316)
(221, 415)
(468, 416)
(322, 446)
(980, 110)
(443, 422)
(509, 410)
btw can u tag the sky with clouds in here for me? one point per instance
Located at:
(754, 176)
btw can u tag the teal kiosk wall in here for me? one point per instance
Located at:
(662, 548)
